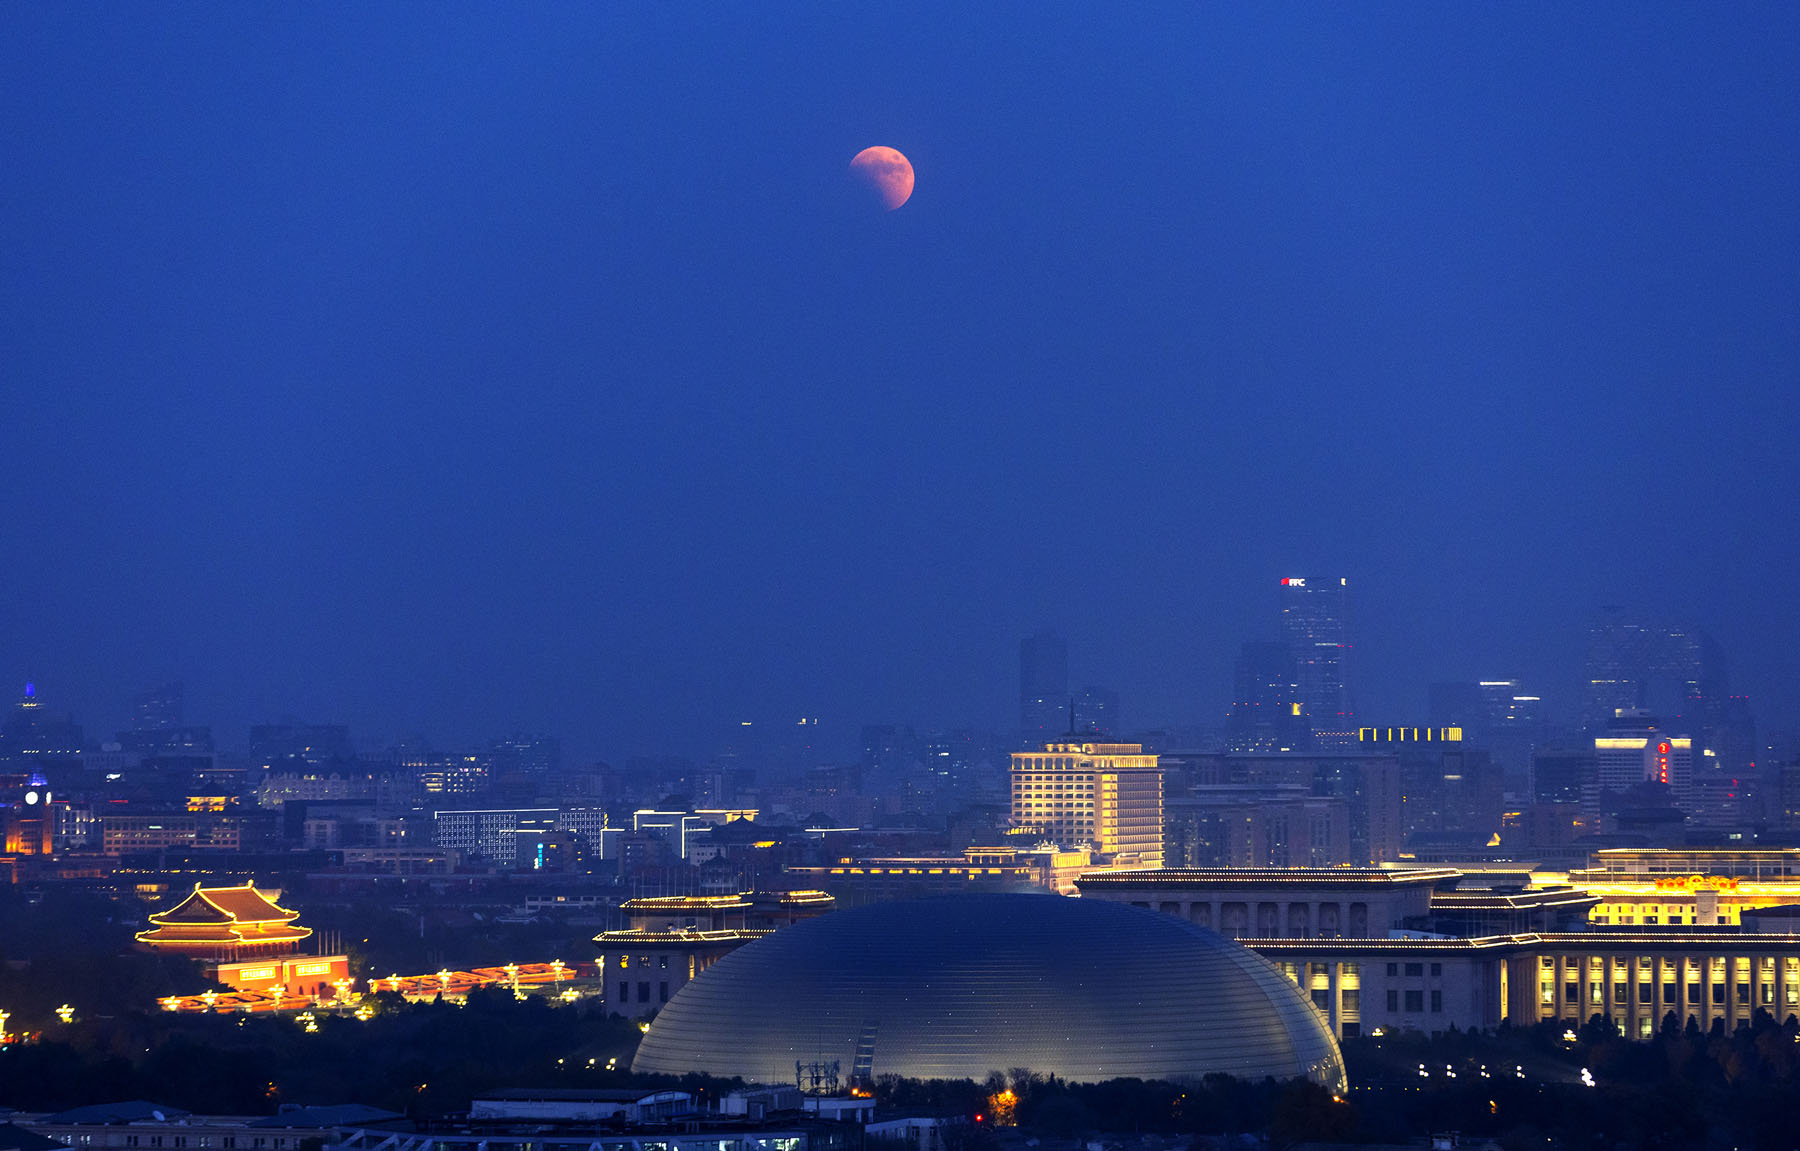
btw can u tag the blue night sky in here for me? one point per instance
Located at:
(457, 368)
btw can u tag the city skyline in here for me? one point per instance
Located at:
(1565, 711)
(550, 371)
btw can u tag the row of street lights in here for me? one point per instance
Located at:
(64, 1014)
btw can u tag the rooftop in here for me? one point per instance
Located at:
(1288, 876)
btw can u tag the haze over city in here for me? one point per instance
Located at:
(540, 369)
(877, 577)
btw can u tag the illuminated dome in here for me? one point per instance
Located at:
(954, 988)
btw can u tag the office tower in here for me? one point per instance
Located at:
(1103, 796)
(1096, 711)
(314, 745)
(1498, 716)
(1564, 774)
(33, 735)
(1635, 750)
(1315, 625)
(1265, 705)
(1674, 671)
(890, 748)
(158, 708)
(1450, 791)
(1511, 729)
(1043, 687)
(527, 755)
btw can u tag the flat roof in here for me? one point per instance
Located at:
(1679, 942)
(1512, 901)
(1284, 876)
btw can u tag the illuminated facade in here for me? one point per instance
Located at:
(977, 871)
(1634, 751)
(1365, 986)
(1693, 887)
(301, 976)
(1106, 797)
(205, 831)
(1272, 902)
(1414, 952)
(673, 938)
(225, 924)
(28, 815)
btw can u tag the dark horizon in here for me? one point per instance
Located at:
(545, 370)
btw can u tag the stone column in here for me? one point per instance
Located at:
(1337, 1027)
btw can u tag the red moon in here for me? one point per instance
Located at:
(886, 173)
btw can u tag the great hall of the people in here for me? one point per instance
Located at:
(1708, 935)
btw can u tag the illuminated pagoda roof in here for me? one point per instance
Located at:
(223, 922)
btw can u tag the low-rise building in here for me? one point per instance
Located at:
(673, 938)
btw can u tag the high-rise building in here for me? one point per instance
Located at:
(527, 755)
(1266, 713)
(1451, 792)
(1315, 626)
(35, 736)
(1096, 711)
(1636, 751)
(158, 708)
(1106, 797)
(1043, 686)
(1675, 671)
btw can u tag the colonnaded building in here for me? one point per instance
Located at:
(1429, 948)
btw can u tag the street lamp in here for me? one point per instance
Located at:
(66, 1013)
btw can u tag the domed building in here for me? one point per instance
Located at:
(957, 987)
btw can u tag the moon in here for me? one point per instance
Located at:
(886, 173)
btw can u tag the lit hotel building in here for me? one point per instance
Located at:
(1106, 797)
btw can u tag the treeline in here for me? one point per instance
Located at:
(430, 1059)
(1287, 1112)
(1683, 1088)
(417, 1059)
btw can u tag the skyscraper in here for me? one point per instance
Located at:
(1265, 703)
(1097, 711)
(158, 708)
(1676, 671)
(1498, 716)
(1043, 687)
(1315, 626)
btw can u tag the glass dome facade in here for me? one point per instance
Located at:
(954, 988)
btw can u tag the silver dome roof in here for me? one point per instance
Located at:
(954, 988)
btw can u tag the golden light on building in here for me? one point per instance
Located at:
(224, 923)
(1105, 796)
